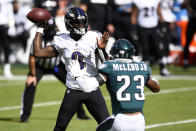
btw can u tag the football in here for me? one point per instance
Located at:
(38, 15)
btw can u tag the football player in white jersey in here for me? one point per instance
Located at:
(166, 28)
(78, 45)
(7, 20)
(147, 13)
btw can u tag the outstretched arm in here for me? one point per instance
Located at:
(38, 51)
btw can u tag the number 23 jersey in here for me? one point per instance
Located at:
(82, 50)
(126, 84)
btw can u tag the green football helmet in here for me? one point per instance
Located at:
(122, 48)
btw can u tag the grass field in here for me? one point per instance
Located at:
(173, 109)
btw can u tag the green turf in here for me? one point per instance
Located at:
(20, 69)
(161, 108)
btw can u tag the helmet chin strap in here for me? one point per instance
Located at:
(79, 31)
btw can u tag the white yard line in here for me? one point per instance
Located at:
(12, 83)
(24, 77)
(170, 123)
(50, 103)
(148, 93)
(174, 90)
(166, 91)
(51, 77)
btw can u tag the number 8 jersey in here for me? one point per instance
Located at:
(126, 84)
(147, 17)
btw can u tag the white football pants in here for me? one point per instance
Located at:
(128, 123)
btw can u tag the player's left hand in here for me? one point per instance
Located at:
(103, 41)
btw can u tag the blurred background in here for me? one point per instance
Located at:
(115, 16)
(172, 33)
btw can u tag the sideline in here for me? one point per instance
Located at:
(51, 77)
(24, 77)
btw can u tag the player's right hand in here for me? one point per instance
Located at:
(42, 24)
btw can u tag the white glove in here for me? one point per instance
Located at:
(75, 69)
(87, 84)
(136, 59)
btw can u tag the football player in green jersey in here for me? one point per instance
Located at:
(125, 79)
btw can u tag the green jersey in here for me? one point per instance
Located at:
(126, 81)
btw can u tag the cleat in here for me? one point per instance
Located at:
(164, 72)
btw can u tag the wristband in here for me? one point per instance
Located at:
(40, 30)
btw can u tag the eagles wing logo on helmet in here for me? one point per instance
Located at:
(122, 48)
(76, 21)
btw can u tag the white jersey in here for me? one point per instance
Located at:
(21, 22)
(122, 2)
(166, 10)
(6, 12)
(147, 17)
(83, 50)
